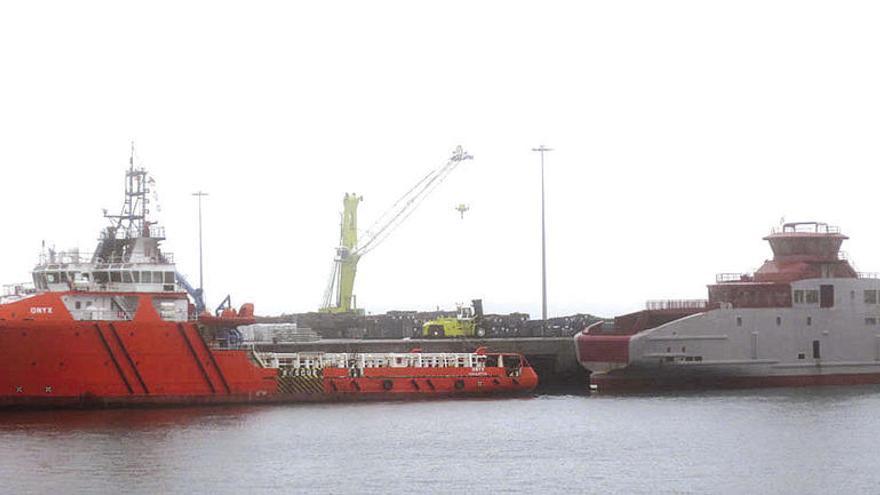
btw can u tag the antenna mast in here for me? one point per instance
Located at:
(132, 221)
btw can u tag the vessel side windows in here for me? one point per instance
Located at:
(870, 321)
(817, 354)
(169, 277)
(126, 277)
(146, 277)
(739, 321)
(870, 296)
(811, 296)
(798, 296)
(136, 277)
(809, 321)
(778, 321)
(115, 277)
(102, 277)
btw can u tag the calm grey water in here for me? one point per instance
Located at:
(776, 441)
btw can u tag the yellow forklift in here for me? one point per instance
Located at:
(468, 323)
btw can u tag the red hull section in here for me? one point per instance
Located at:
(602, 348)
(50, 360)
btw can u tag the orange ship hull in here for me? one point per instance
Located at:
(50, 361)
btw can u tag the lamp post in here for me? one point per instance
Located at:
(542, 149)
(200, 195)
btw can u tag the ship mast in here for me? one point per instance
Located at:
(117, 242)
(132, 221)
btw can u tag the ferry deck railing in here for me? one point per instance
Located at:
(805, 228)
(676, 304)
(732, 277)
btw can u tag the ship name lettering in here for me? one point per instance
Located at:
(41, 311)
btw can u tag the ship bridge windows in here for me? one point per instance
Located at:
(154, 277)
(805, 296)
(870, 296)
(117, 275)
(43, 279)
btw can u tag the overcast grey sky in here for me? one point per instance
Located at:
(683, 131)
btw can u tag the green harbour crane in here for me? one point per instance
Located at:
(339, 295)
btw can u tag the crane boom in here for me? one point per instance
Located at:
(349, 252)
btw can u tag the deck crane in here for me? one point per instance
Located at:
(338, 297)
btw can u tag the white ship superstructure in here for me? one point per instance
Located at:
(806, 317)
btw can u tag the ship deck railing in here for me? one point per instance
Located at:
(75, 257)
(805, 228)
(660, 305)
(320, 360)
(19, 290)
(721, 278)
(132, 232)
(89, 314)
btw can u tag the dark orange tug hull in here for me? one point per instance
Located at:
(47, 359)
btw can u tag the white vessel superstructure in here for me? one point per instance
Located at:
(806, 317)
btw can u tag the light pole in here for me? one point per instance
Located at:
(542, 149)
(200, 195)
